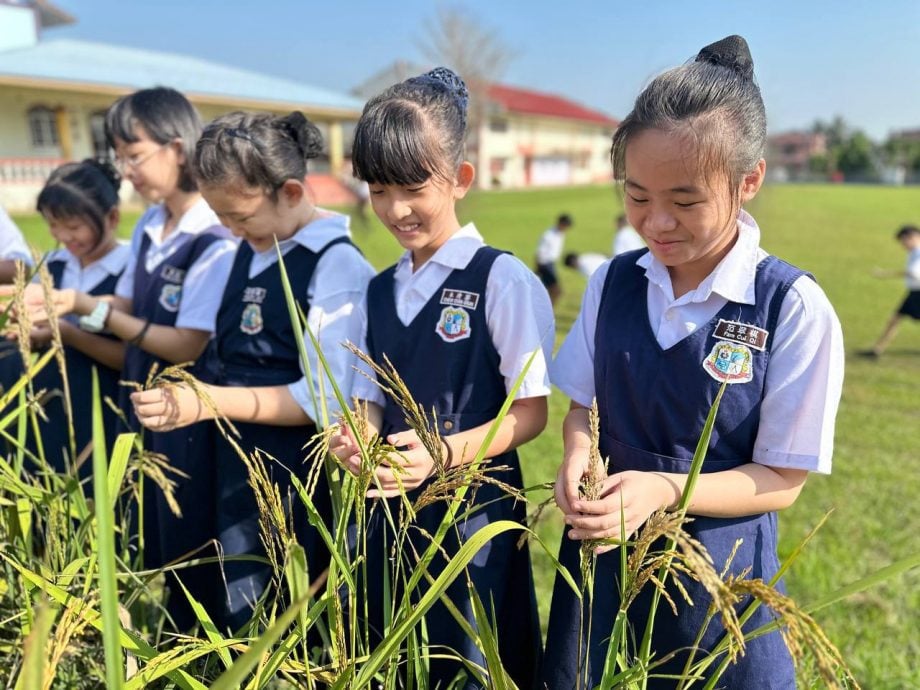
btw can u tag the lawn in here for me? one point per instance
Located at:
(839, 234)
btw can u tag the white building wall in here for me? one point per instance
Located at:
(534, 151)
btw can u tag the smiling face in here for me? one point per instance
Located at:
(254, 216)
(80, 238)
(686, 216)
(422, 217)
(153, 168)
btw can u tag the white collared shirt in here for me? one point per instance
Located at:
(912, 273)
(805, 374)
(336, 295)
(12, 243)
(518, 312)
(549, 251)
(86, 278)
(205, 280)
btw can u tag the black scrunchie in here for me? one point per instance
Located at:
(731, 52)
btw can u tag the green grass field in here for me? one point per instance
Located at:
(839, 234)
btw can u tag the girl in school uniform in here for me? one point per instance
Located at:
(458, 320)
(80, 204)
(251, 169)
(164, 307)
(659, 332)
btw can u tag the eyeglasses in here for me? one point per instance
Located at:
(134, 162)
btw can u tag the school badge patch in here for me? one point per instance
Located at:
(453, 325)
(729, 362)
(170, 297)
(251, 322)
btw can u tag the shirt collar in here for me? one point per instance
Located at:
(733, 278)
(320, 231)
(112, 263)
(198, 218)
(456, 253)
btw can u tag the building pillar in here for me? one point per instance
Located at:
(65, 137)
(336, 148)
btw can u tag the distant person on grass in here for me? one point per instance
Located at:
(626, 239)
(549, 251)
(586, 263)
(909, 237)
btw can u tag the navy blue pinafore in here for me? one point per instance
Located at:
(157, 296)
(653, 403)
(255, 345)
(54, 434)
(448, 361)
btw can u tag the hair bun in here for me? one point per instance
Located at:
(305, 133)
(107, 169)
(452, 82)
(731, 52)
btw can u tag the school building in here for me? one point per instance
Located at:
(54, 94)
(525, 138)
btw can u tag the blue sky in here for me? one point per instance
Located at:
(813, 58)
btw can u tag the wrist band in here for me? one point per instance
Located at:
(136, 340)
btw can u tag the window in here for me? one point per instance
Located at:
(97, 135)
(498, 125)
(43, 127)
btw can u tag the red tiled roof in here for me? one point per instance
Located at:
(519, 100)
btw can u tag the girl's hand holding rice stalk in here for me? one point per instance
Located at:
(401, 471)
(169, 407)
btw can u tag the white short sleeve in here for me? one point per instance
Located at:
(12, 244)
(204, 285)
(803, 383)
(573, 369)
(521, 322)
(336, 294)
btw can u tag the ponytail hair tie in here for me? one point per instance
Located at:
(237, 133)
(731, 52)
(446, 79)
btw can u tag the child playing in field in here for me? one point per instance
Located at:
(626, 238)
(251, 170)
(909, 237)
(164, 307)
(549, 251)
(658, 334)
(459, 321)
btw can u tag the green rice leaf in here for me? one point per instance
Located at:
(105, 544)
(234, 676)
(409, 617)
(35, 653)
(121, 453)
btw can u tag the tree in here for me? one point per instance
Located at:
(455, 38)
(856, 156)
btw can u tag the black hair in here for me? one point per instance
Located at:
(412, 131)
(260, 150)
(564, 219)
(622, 219)
(571, 260)
(87, 190)
(165, 115)
(715, 99)
(906, 231)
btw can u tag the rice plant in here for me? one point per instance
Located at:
(78, 610)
